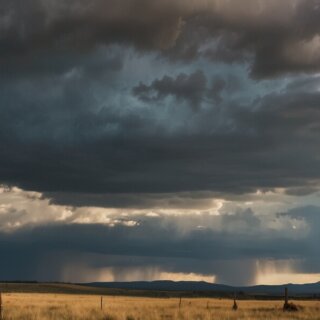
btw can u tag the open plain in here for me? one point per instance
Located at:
(56, 306)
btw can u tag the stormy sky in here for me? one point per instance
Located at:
(172, 139)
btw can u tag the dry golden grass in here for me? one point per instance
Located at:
(28, 306)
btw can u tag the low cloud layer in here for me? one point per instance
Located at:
(167, 244)
(134, 244)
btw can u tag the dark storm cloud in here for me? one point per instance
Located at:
(64, 141)
(68, 123)
(280, 36)
(277, 37)
(190, 88)
(45, 25)
(172, 244)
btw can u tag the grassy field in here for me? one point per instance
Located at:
(34, 306)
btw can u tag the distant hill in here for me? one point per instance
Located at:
(269, 290)
(38, 287)
(294, 289)
(163, 286)
(164, 289)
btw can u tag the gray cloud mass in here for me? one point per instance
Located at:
(281, 36)
(130, 130)
(268, 143)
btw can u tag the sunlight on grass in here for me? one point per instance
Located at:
(87, 307)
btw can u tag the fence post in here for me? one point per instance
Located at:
(1, 318)
(180, 303)
(101, 303)
(235, 305)
(286, 296)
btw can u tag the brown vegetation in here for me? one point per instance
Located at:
(29, 306)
